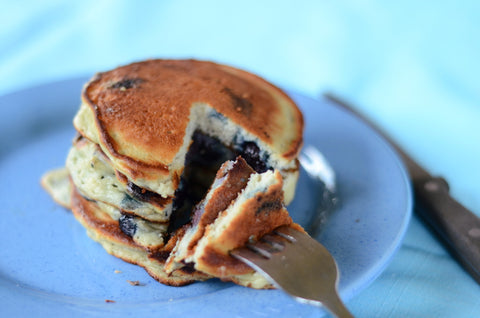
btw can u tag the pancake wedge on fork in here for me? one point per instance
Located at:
(176, 162)
(240, 207)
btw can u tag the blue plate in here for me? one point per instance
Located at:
(49, 266)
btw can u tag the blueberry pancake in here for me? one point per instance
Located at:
(241, 207)
(144, 116)
(176, 162)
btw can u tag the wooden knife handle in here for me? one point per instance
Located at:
(458, 226)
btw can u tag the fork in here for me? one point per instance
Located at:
(299, 265)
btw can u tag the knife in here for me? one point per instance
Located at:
(458, 227)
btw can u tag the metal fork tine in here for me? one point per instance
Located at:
(264, 249)
(277, 242)
(248, 253)
(286, 232)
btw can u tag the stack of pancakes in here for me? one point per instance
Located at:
(177, 162)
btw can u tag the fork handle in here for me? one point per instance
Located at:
(335, 306)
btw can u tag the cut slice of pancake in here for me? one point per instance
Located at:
(233, 213)
(144, 115)
(230, 180)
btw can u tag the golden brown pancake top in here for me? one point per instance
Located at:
(144, 107)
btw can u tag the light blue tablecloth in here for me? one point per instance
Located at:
(413, 66)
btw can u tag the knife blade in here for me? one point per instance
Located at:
(458, 227)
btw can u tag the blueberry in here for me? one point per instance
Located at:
(139, 193)
(218, 116)
(268, 206)
(127, 225)
(251, 153)
(127, 83)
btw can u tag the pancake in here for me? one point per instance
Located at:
(241, 207)
(144, 115)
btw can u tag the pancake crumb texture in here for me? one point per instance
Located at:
(178, 162)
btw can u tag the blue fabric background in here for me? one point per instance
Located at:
(412, 66)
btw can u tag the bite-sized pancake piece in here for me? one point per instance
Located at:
(230, 180)
(143, 116)
(94, 177)
(103, 229)
(256, 209)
